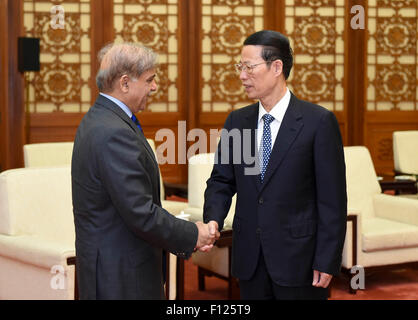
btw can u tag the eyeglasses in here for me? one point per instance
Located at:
(248, 68)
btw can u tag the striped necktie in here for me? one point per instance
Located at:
(266, 144)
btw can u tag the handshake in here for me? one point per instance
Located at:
(208, 234)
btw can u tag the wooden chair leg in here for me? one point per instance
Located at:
(201, 279)
(235, 293)
(76, 297)
(71, 261)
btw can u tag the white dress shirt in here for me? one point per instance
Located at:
(121, 105)
(277, 112)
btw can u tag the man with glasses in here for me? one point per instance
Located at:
(290, 219)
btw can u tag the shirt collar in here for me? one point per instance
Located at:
(278, 110)
(121, 105)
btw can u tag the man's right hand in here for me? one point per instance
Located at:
(213, 235)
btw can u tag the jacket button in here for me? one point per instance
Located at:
(261, 201)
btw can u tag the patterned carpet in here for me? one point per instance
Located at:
(383, 285)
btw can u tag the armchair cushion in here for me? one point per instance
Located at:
(35, 250)
(362, 182)
(396, 208)
(200, 168)
(384, 234)
(47, 154)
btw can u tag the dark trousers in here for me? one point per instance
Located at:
(261, 287)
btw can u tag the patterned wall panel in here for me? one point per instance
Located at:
(153, 23)
(316, 32)
(225, 25)
(63, 81)
(392, 55)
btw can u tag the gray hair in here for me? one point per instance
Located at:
(117, 60)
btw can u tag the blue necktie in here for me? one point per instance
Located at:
(266, 144)
(135, 120)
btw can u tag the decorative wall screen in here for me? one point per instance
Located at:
(63, 81)
(315, 29)
(225, 25)
(392, 55)
(153, 23)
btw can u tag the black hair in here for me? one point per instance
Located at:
(275, 46)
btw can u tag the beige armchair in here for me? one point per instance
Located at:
(382, 230)
(36, 234)
(217, 261)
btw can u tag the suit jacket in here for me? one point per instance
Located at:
(298, 214)
(119, 223)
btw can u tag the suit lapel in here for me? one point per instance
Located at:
(289, 129)
(110, 105)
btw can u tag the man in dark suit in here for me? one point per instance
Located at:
(120, 225)
(290, 218)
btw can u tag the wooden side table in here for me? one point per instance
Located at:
(398, 186)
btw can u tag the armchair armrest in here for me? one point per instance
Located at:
(395, 208)
(36, 251)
